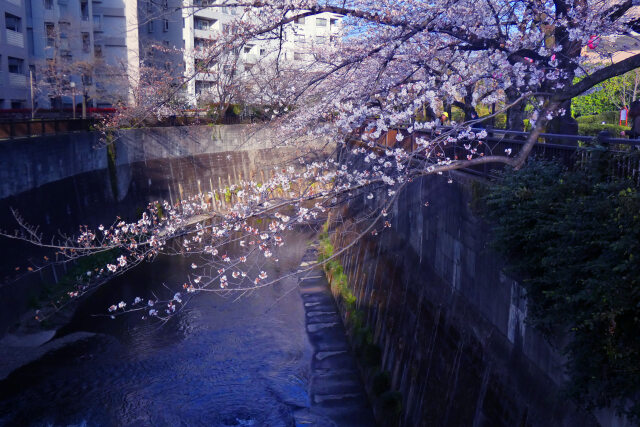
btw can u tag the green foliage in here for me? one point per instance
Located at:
(609, 95)
(388, 402)
(391, 403)
(592, 124)
(611, 117)
(371, 355)
(57, 293)
(574, 242)
(457, 115)
(160, 210)
(593, 129)
(381, 382)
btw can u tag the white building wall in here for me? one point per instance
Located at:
(14, 49)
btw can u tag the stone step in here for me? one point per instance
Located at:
(349, 412)
(336, 384)
(325, 298)
(322, 317)
(315, 327)
(338, 399)
(342, 361)
(314, 281)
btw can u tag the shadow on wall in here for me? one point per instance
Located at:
(449, 323)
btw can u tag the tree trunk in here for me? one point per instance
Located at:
(515, 114)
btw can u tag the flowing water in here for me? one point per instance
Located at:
(219, 362)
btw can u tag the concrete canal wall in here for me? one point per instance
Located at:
(32, 162)
(450, 324)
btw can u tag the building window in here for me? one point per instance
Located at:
(300, 38)
(297, 56)
(165, 25)
(97, 22)
(300, 20)
(205, 24)
(247, 49)
(321, 39)
(97, 51)
(17, 104)
(13, 22)
(149, 6)
(165, 4)
(263, 52)
(16, 65)
(50, 33)
(48, 4)
(84, 10)
(150, 27)
(333, 22)
(64, 28)
(86, 42)
(321, 22)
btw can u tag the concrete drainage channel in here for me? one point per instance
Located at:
(336, 390)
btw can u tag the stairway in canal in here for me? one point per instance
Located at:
(336, 390)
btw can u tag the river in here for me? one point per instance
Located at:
(219, 362)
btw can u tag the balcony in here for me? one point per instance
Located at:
(208, 13)
(206, 77)
(205, 34)
(15, 38)
(17, 80)
(250, 58)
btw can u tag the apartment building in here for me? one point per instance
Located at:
(79, 51)
(92, 50)
(53, 50)
(190, 26)
(14, 55)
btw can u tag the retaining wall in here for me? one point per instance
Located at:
(450, 323)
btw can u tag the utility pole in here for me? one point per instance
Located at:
(73, 94)
(33, 110)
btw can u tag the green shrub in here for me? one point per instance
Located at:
(593, 129)
(390, 403)
(501, 121)
(361, 336)
(610, 117)
(381, 383)
(573, 240)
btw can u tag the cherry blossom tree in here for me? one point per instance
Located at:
(392, 60)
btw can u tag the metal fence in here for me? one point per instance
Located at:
(573, 151)
(30, 128)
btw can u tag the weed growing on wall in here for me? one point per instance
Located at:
(388, 403)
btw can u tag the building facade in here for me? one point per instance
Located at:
(90, 52)
(15, 43)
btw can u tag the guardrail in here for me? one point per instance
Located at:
(573, 151)
(30, 128)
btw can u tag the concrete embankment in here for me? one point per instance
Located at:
(449, 323)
